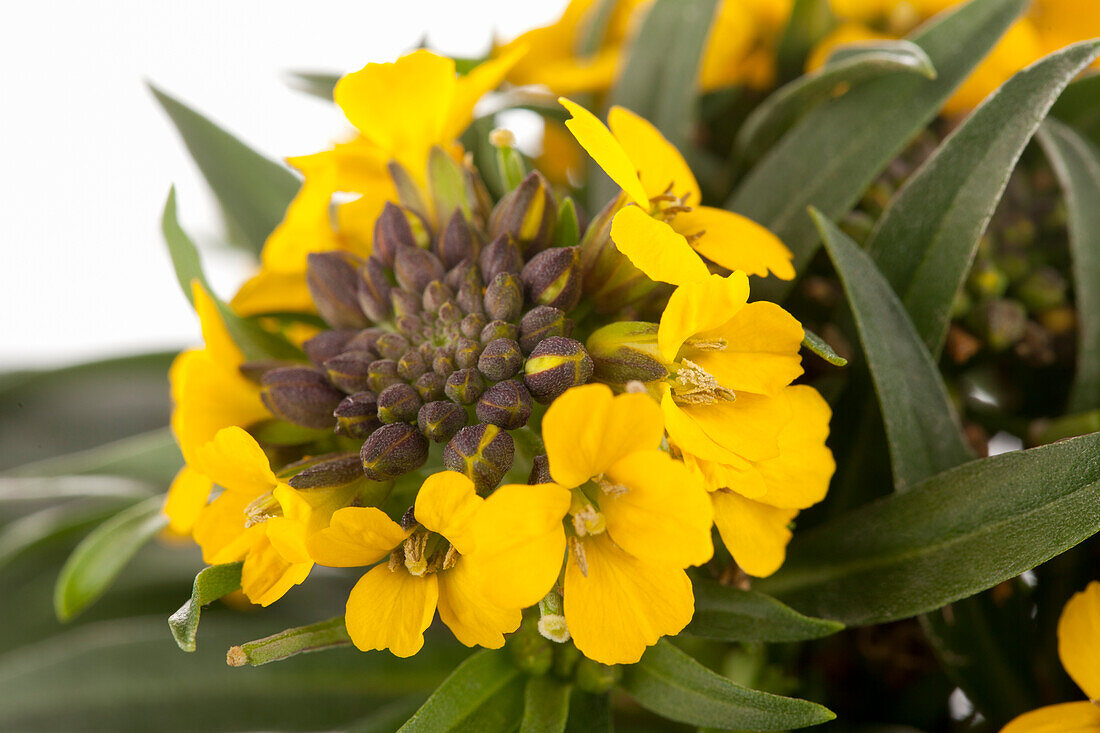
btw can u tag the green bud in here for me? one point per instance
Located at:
(440, 420)
(373, 291)
(465, 386)
(350, 371)
(404, 303)
(393, 230)
(498, 330)
(467, 352)
(415, 268)
(529, 650)
(471, 325)
(500, 255)
(383, 373)
(553, 278)
(594, 677)
(447, 183)
(329, 473)
(986, 280)
(408, 191)
(327, 344)
(504, 297)
(481, 452)
(392, 451)
(540, 470)
(331, 278)
(357, 415)
(302, 396)
(435, 295)
(456, 241)
(527, 213)
(625, 351)
(398, 403)
(555, 365)
(540, 323)
(500, 359)
(1044, 288)
(610, 279)
(411, 365)
(506, 404)
(430, 386)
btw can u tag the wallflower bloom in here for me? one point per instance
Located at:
(665, 233)
(394, 602)
(1079, 650)
(635, 518)
(758, 443)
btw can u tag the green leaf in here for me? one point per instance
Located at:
(485, 692)
(1077, 107)
(922, 428)
(210, 584)
(1076, 161)
(102, 555)
(846, 68)
(817, 345)
(147, 458)
(55, 524)
(320, 84)
(953, 535)
(387, 717)
(732, 614)
(810, 22)
(567, 230)
(670, 683)
(589, 713)
(926, 239)
(253, 341)
(330, 634)
(832, 155)
(545, 705)
(253, 191)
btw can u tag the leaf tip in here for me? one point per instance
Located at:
(236, 657)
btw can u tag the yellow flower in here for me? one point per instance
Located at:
(394, 602)
(209, 393)
(635, 519)
(1079, 649)
(758, 444)
(666, 233)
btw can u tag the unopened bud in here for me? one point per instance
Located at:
(505, 404)
(435, 295)
(447, 183)
(471, 324)
(540, 323)
(392, 451)
(411, 365)
(540, 470)
(409, 326)
(301, 396)
(357, 415)
(456, 241)
(470, 290)
(552, 624)
(555, 365)
(467, 352)
(481, 452)
(415, 268)
(254, 371)
(504, 297)
(450, 313)
(500, 359)
(498, 330)
(327, 344)
(530, 652)
(331, 278)
(391, 346)
(527, 213)
(500, 255)
(365, 340)
(626, 351)
(404, 303)
(350, 371)
(444, 363)
(430, 386)
(398, 403)
(465, 386)
(374, 290)
(327, 473)
(553, 278)
(440, 420)
(392, 231)
(383, 373)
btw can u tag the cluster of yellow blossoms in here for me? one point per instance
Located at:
(629, 475)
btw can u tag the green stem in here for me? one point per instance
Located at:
(313, 638)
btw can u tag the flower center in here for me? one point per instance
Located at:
(693, 385)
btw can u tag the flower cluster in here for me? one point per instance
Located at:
(503, 409)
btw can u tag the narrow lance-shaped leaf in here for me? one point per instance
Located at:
(818, 345)
(485, 690)
(103, 554)
(958, 533)
(732, 614)
(809, 23)
(545, 705)
(922, 428)
(321, 84)
(832, 154)
(926, 239)
(670, 683)
(1076, 161)
(1077, 107)
(253, 191)
(145, 458)
(775, 115)
(210, 584)
(330, 634)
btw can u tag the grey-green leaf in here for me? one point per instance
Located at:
(670, 683)
(818, 345)
(1076, 162)
(320, 84)
(922, 429)
(847, 67)
(103, 554)
(210, 584)
(809, 23)
(330, 634)
(545, 705)
(926, 239)
(831, 155)
(253, 191)
(1077, 107)
(732, 614)
(956, 534)
(485, 692)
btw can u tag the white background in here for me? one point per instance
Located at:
(88, 156)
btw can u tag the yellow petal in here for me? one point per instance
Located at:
(700, 306)
(446, 503)
(468, 614)
(623, 604)
(1079, 639)
(660, 166)
(755, 534)
(520, 543)
(735, 242)
(235, 461)
(307, 225)
(759, 350)
(391, 609)
(664, 515)
(598, 141)
(266, 575)
(304, 514)
(689, 437)
(484, 78)
(799, 476)
(587, 430)
(220, 531)
(186, 498)
(271, 291)
(716, 475)
(356, 536)
(1068, 717)
(748, 427)
(655, 249)
(219, 344)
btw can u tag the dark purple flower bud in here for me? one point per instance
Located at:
(415, 268)
(471, 290)
(553, 278)
(542, 322)
(411, 327)
(471, 324)
(350, 370)
(357, 415)
(466, 353)
(365, 340)
(540, 471)
(392, 451)
(374, 291)
(444, 362)
(302, 396)
(391, 346)
(435, 295)
(527, 213)
(482, 452)
(383, 373)
(404, 303)
(505, 404)
(456, 241)
(392, 231)
(555, 365)
(450, 313)
(626, 351)
(254, 371)
(327, 344)
(500, 255)
(331, 278)
(504, 297)
(499, 330)
(398, 403)
(500, 359)
(411, 365)
(329, 473)
(408, 190)
(440, 420)
(465, 386)
(430, 386)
